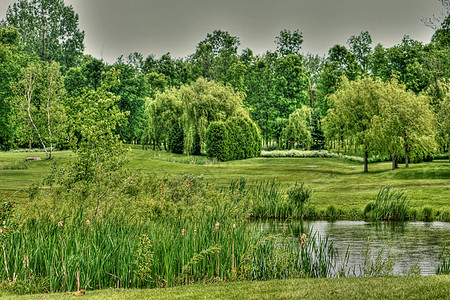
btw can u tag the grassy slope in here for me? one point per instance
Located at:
(335, 181)
(428, 287)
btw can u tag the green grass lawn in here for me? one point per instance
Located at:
(335, 181)
(428, 287)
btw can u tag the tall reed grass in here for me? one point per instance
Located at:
(390, 204)
(443, 267)
(69, 252)
(269, 199)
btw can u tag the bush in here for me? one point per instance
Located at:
(176, 139)
(237, 138)
(217, 144)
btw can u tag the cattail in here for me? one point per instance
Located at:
(303, 239)
(217, 226)
(88, 223)
(60, 224)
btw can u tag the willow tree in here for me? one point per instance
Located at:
(406, 123)
(352, 109)
(299, 128)
(443, 118)
(195, 106)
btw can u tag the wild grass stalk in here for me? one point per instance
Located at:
(443, 267)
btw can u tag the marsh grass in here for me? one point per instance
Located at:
(443, 267)
(66, 252)
(390, 204)
(271, 200)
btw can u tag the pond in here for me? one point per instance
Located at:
(415, 242)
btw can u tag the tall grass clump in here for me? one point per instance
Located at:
(443, 267)
(304, 256)
(269, 199)
(380, 264)
(390, 204)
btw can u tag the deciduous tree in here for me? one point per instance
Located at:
(49, 29)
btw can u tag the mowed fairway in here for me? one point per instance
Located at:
(335, 181)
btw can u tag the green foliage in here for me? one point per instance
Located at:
(382, 265)
(38, 96)
(11, 61)
(196, 147)
(299, 195)
(215, 55)
(94, 175)
(195, 106)
(391, 204)
(270, 200)
(210, 248)
(48, 29)
(132, 91)
(405, 126)
(143, 261)
(444, 264)
(289, 43)
(427, 213)
(176, 139)
(331, 212)
(298, 131)
(217, 141)
(353, 107)
(237, 138)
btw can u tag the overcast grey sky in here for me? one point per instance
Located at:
(115, 27)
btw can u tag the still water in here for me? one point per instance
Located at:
(415, 242)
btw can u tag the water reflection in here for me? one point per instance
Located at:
(416, 242)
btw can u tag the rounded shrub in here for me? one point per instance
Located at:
(217, 144)
(237, 138)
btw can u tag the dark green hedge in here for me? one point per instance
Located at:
(237, 138)
(176, 139)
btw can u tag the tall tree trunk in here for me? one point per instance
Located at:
(366, 159)
(36, 129)
(394, 161)
(48, 118)
(406, 156)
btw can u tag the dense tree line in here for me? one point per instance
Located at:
(295, 99)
